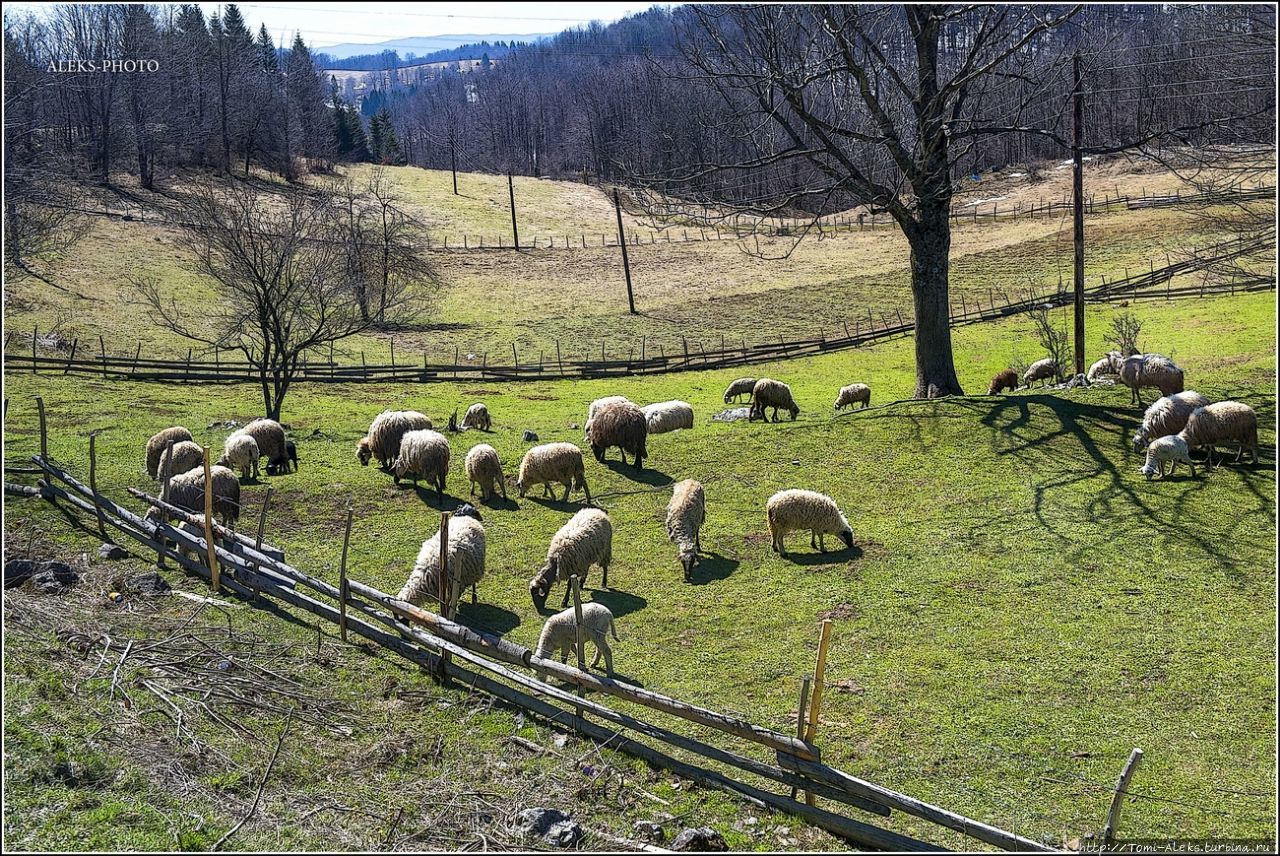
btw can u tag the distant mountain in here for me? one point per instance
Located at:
(424, 44)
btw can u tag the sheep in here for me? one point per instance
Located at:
(620, 424)
(240, 452)
(477, 416)
(854, 393)
(1170, 448)
(269, 434)
(1007, 379)
(1223, 422)
(553, 463)
(289, 462)
(485, 469)
(383, 440)
(685, 514)
(586, 540)
(1110, 364)
(560, 633)
(186, 490)
(1166, 415)
(158, 443)
(668, 416)
(793, 510)
(1040, 370)
(598, 405)
(771, 393)
(740, 387)
(179, 458)
(466, 562)
(424, 455)
(1150, 370)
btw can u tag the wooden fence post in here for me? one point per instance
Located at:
(93, 483)
(35, 329)
(343, 591)
(819, 670)
(44, 434)
(800, 716)
(103, 346)
(1117, 799)
(576, 587)
(71, 359)
(208, 524)
(442, 583)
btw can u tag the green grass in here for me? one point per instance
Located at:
(1022, 608)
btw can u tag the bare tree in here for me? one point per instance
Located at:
(1053, 338)
(1125, 329)
(42, 217)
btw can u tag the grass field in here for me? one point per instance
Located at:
(1021, 609)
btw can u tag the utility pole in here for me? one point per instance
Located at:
(1077, 190)
(515, 233)
(622, 242)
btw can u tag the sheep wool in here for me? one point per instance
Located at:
(1040, 370)
(466, 562)
(158, 443)
(179, 458)
(1144, 370)
(770, 393)
(1167, 415)
(424, 455)
(686, 513)
(382, 443)
(485, 469)
(553, 463)
(560, 634)
(269, 435)
(1007, 379)
(797, 510)
(240, 452)
(1223, 422)
(740, 387)
(668, 416)
(186, 490)
(477, 416)
(620, 424)
(598, 405)
(586, 540)
(1171, 449)
(854, 393)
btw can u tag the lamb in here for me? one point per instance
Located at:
(1170, 448)
(553, 463)
(1007, 379)
(740, 387)
(586, 540)
(289, 462)
(477, 416)
(186, 490)
(1110, 364)
(668, 416)
(383, 440)
(771, 393)
(466, 562)
(158, 443)
(240, 452)
(1167, 415)
(685, 514)
(179, 458)
(269, 435)
(854, 393)
(1223, 422)
(560, 633)
(1040, 370)
(598, 405)
(485, 469)
(1150, 370)
(424, 455)
(795, 510)
(620, 424)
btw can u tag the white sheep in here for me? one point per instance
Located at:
(598, 405)
(1040, 370)
(477, 416)
(240, 452)
(796, 510)
(586, 540)
(1223, 422)
(553, 463)
(161, 441)
(424, 455)
(1167, 415)
(668, 416)
(466, 562)
(1150, 370)
(854, 393)
(1108, 365)
(1171, 448)
(382, 443)
(770, 393)
(269, 435)
(560, 633)
(484, 468)
(740, 387)
(186, 490)
(686, 513)
(179, 458)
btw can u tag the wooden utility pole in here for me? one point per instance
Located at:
(511, 191)
(1077, 190)
(622, 242)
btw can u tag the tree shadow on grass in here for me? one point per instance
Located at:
(648, 475)
(712, 567)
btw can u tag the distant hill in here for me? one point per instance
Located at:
(424, 44)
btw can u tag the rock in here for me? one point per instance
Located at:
(150, 584)
(18, 571)
(650, 831)
(112, 552)
(538, 821)
(704, 839)
(565, 834)
(53, 578)
(528, 436)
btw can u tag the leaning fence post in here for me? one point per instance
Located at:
(342, 579)
(93, 483)
(1117, 799)
(576, 587)
(103, 346)
(208, 523)
(442, 583)
(71, 359)
(35, 329)
(819, 670)
(44, 434)
(800, 716)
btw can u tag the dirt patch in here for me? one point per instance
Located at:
(840, 612)
(871, 549)
(482, 392)
(757, 539)
(533, 396)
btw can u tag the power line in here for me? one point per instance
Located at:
(1192, 58)
(1168, 83)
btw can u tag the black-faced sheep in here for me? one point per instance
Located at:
(1150, 370)
(686, 513)
(1223, 422)
(1007, 379)
(240, 452)
(1044, 370)
(620, 424)
(1167, 415)
(668, 416)
(290, 462)
(553, 463)
(485, 469)
(382, 443)
(158, 443)
(560, 633)
(770, 393)
(740, 387)
(854, 393)
(796, 510)
(586, 540)
(466, 562)
(1171, 449)
(477, 416)
(179, 458)
(269, 435)
(424, 455)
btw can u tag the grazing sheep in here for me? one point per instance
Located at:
(1150, 370)
(466, 562)
(240, 452)
(598, 405)
(477, 416)
(854, 393)
(685, 514)
(1167, 415)
(1223, 422)
(423, 455)
(290, 461)
(269, 435)
(668, 416)
(179, 458)
(159, 442)
(186, 490)
(553, 463)
(382, 443)
(1007, 379)
(620, 424)
(1108, 365)
(1040, 370)
(771, 393)
(485, 469)
(586, 540)
(796, 510)
(1171, 448)
(740, 387)
(560, 633)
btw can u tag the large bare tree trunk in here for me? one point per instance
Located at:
(930, 287)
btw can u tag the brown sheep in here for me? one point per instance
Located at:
(1007, 379)
(620, 424)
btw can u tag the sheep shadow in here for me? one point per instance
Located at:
(619, 602)
(429, 498)
(649, 476)
(497, 503)
(557, 504)
(712, 567)
(487, 617)
(831, 557)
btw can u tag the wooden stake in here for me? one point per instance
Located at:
(71, 359)
(1117, 799)
(208, 524)
(442, 583)
(576, 588)
(515, 232)
(342, 579)
(93, 483)
(622, 242)
(35, 329)
(800, 716)
(819, 670)
(44, 434)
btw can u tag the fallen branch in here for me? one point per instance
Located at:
(261, 787)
